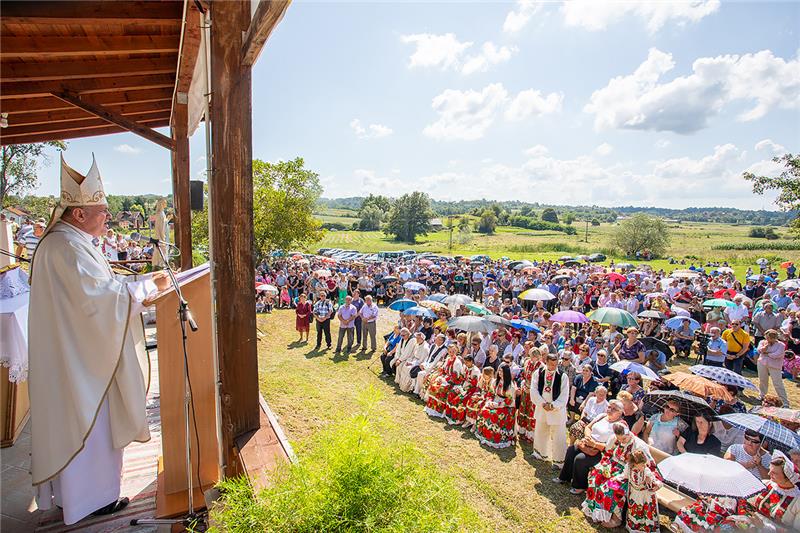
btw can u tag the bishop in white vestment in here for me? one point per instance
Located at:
(550, 393)
(413, 354)
(89, 371)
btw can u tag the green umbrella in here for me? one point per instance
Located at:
(478, 309)
(719, 302)
(612, 315)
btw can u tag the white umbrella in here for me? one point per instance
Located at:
(266, 288)
(724, 270)
(679, 311)
(631, 366)
(457, 300)
(711, 475)
(472, 324)
(790, 284)
(536, 295)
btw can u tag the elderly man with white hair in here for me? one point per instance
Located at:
(436, 352)
(411, 355)
(740, 312)
(88, 368)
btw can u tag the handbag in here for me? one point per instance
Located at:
(414, 372)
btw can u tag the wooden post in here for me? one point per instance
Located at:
(231, 225)
(180, 183)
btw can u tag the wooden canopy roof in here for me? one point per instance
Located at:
(86, 68)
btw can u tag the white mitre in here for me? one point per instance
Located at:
(77, 190)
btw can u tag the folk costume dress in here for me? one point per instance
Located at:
(436, 355)
(642, 514)
(606, 493)
(526, 422)
(705, 514)
(495, 424)
(431, 377)
(456, 410)
(782, 506)
(475, 403)
(452, 375)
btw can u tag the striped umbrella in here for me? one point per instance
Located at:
(776, 434)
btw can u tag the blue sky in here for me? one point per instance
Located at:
(661, 104)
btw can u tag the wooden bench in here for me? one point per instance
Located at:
(669, 497)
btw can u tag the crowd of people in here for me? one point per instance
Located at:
(504, 364)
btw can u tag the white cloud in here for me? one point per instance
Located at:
(685, 104)
(532, 103)
(521, 15)
(604, 149)
(127, 149)
(662, 143)
(446, 52)
(769, 144)
(372, 131)
(466, 115)
(597, 15)
(371, 182)
(537, 151)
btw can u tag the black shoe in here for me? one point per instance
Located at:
(317, 347)
(112, 507)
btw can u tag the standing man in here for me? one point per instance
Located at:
(738, 341)
(716, 350)
(550, 393)
(347, 315)
(358, 303)
(88, 366)
(323, 309)
(31, 240)
(764, 321)
(369, 321)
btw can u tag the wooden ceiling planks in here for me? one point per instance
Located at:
(119, 58)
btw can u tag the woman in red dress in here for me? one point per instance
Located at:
(452, 374)
(457, 397)
(495, 425)
(303, 314)
(525, 414)
(475, 403)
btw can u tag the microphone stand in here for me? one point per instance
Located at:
(195, 521)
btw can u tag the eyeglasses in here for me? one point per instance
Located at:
(672, 409)
(753, 440)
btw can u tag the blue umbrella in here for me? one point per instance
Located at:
(413, 286)
(402, 304)
(419, 311)
(756, 277)
(677, 323)
(518, 323)
(776, 434)
(722, 376)
(438, 297)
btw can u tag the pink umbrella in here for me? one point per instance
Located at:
(613, 276)
(573, 317)
(425, 262)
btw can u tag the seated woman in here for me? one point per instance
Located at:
(606, 496)
(495, 424)
(780, 500)
(664, 428)
(485, 393)
(634, 387)
(452, 375)
(586, 452)
(455, 412)
(631, 413)
(750, 454)
(698, 438)
(525, 413)
(583, 387)
(682, 338)
(630, 349)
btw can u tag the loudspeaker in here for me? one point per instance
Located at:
(196, 195)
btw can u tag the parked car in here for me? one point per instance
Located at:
(480, 259)
(597, 258)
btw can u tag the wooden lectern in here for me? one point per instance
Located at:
(172, 488)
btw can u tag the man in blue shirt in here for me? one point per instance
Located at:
(323, 309)
(781, 300)
(347, 315)
(716, 350)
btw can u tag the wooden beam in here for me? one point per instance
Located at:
(61, 115)
(60, 12)
(190, 47)
(20, 89)
(35, 46)
(119, 120)
(67, 70)
(78, 124)
(180, 183)
(231, 227)
(268, 14)
(75, 134)
(51, 103)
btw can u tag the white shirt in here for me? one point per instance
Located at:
(515, 351)
(737, 313)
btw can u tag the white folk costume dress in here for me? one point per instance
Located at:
(550, 433)
(413, 353)
(88, 365)
(435, 355)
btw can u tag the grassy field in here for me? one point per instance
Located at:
(309, 390)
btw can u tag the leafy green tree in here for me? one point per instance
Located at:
(126, 203)
(568, 218)
(642, 232)
(550, 215)
(410, 216)
(488, 222)
(375, 200)
(595, 222)
(371, 218)
(38, 206)
(19, 169)
(137, 208)
(787, 184)
(464, 224)
(284, 196)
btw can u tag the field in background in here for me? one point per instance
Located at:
(692, 241)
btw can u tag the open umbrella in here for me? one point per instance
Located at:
(679, 311)
(472, 324)
(433, 304)
(517, 265)
(266, 288)
(571, 317)
(536, 295)
(723, 376)
(756, 277)
(388, 279)
(560, 278)
(418, 310)
(402, 304)
(690, 405)
(718, 302)
(677, 323)
(572, 262)
(652, 295)
(786, 264)
(625, 265)
(425, 262)
(632, 366)
(438, 297)
(685, 274)
(414, 286)
(323, 273)
(457, 300)
(477, 308)
(652, 314)
(710, 475)
(782, 415)
(776, 434)
(790, 284)
(613, 276)
(762, 261)
(652, 343)
(518, 323)
(612, 315)
(497, 319)
(566, 258)
(530, 270)
(722, 292)
(698, 385)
